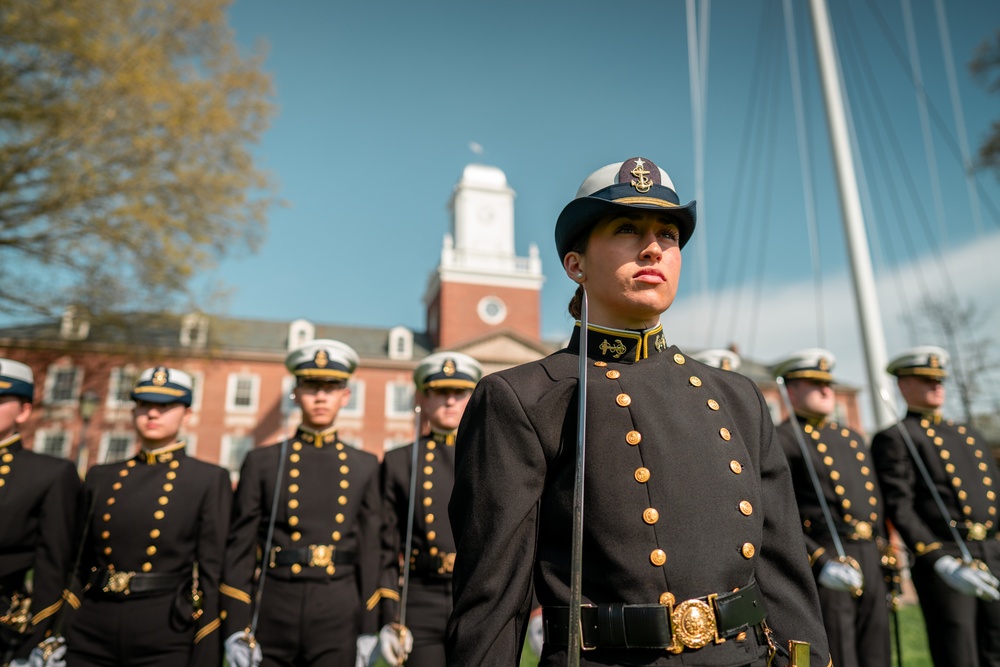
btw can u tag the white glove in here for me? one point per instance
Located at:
(366, 646)
(839, 576)
(968, 579)
(536, 633)
(54, 647)
(239, 653)
(394, 645)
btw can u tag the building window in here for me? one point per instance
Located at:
(53, 443)
(190, 443)
(242, 392)
(62, 384)
(400, 343)
(194, 330)
(234, 450)
(356, 403)
(288, 405)
(398, 399)
(197, 389)
(120, 386)
(300, 332)
(116, 446)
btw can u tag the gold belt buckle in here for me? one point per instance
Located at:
(447, 563)
(863, 530)
(692, 624)
(977, 532)
(321, 555)
(119, 582)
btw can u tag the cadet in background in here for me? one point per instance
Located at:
(153, 549)
(322, 563)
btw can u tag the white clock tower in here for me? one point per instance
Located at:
(480, 284)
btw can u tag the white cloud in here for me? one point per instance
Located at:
(786, 321)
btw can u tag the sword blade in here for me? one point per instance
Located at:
(575, 641)
(411, 509)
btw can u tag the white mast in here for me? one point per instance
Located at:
(872, 335)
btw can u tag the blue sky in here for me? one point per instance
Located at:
(378, 103)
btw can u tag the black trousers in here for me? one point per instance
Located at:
(130, 632)
(309, 623)
(429, 604)
(961, 629)
(858, 628)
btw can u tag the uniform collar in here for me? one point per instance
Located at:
(814, 423)
(161, 454)
(317, 438)
(12, 443)
(933, 416)
(447, 439)
(625, 346)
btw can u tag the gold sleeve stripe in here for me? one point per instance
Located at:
(234, 593)
(45, 613)
(389, 594)
(207, 630)
(69, 597)
(815, 555)
(933, 546)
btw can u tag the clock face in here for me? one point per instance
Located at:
(485, 214)
(492, 310)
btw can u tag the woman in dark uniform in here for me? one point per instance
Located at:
(692, 552)
(153, 556)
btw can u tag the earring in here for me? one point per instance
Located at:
(579, 276)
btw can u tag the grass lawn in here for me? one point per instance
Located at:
(911, 627)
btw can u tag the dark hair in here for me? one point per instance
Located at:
(576, 303)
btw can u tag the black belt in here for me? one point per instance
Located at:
(115, 583)
(689, 624)
(438, 565)
(314, 555)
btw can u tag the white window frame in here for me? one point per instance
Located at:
(102, 452)
(390, 403)
(42, 434)
(114, 386)
(400, 343)
(357, 387)
(288, 406)
(50, 383)
(198, 379)
(190, 443)
(300, 332)
(232, 382)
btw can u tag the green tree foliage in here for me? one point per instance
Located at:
(986, 66)
(126, 129)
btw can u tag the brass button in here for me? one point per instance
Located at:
(163, 500)
(828, 460)
(342, 456)
(623, 400)
(330, 569)
(297, 446)
(296, 536)
(146, 567)
(342, 500)
(650, 516)
(150, 550)
(834, 475)
(168, 487)
(123, 473)
(344, 470)
(428, 502)
(296, 568)
(667, 599)
(429, 456)
(293, 488)
(293, 503)
(613, 375)
(131, 463)
(154, 533)
(8, 457)
(746, 508)
(600, 364)
(428, 470)
(748, 551)
(111, 500)
(294, 472)
(821, 448)
(735, 466)
(633, 437)
(171, 475)
(107, 551)
(839, 490)
(679, 358)
(741, 637)
(642, 475)
(339, 518)
(869, 486)
(344, 484)
(429, 518)
(431, 535)
(726, 435)
(695, 381)
(956, 481)
(335, 535)
(431, 445)
(713, 404)
(116, 486)
(658, 557)
(158, 514)
(428, 485)
(293, 521)
(175, 464)
(105, 534)
(845, 503)
(294, 458)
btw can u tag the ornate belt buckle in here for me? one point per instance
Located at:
(977, 532)
(119, 582)
(447, 563)
(692, 623)
(863, 530)
(321, 555)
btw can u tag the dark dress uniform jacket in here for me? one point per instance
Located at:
(432, 555)
(965, 475)
(857, 629)
(682, 469)
(328, 496)
(153, 514)
(37, 500)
